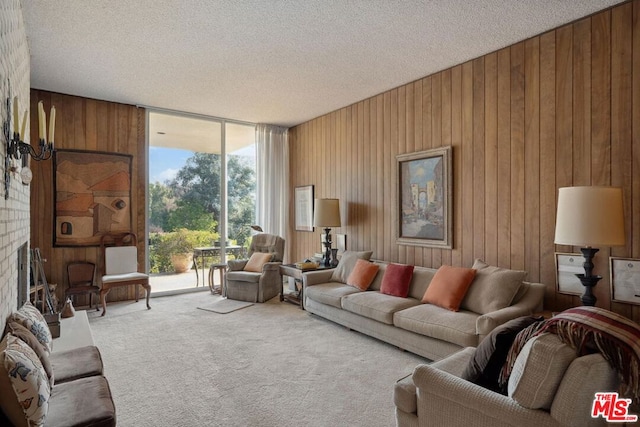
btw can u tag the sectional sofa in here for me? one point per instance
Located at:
(495, 296)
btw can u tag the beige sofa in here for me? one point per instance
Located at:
(62, 388)
(552, 388)
(423, 329)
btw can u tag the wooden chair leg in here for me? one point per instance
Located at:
(98, 297)
(103, 299)
(147, 287)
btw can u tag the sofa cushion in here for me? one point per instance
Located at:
(346, 264)
(86, 401)
(396, 280)
(362, 274)
(29, 317)
(24, 384)
(448, 287)
(77, 363)
(487, 361)
(574, 394)
(437, 322)
(329, 293)
(25, 335)
(377, 306)
(243, 276)
(538, 371)
(492, 289)
(420, 282)
(257, 260)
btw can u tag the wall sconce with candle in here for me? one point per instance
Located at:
(18, 149)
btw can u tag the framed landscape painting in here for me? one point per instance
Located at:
(92, 196)
(425, 198)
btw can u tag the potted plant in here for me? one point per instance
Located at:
(180, 246)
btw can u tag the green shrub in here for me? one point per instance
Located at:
(163, 245)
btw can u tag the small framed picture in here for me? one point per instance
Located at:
(304, 208)
(625, 280)
(567, 266)
(341, 243)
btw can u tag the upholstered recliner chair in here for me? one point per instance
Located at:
(258, 278)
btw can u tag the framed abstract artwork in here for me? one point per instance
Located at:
(92, 196)
(425, 198)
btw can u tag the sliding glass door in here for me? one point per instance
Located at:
(201, 197)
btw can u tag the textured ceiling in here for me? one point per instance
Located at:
(268, 61)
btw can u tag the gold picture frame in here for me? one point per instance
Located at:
(424, 198)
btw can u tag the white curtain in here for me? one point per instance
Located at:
(273, 179)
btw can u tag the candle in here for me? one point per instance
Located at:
(52, 125)
(24, 124)
(41, 120)
(16, 115)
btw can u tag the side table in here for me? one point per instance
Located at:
(292, 271)
(222, 269)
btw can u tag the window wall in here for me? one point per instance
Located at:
(202, 196)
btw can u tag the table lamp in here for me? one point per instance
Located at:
(327, 215)
(588, 217)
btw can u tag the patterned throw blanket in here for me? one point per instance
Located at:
(589, 330)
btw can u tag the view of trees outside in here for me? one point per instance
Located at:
(184, 211)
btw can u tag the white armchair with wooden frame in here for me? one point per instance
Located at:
(120, 266)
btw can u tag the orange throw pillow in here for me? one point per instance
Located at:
(362, 274)
(257, 261)
(449, 286)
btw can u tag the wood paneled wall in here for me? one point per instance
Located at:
(86, 124)
(560, 109)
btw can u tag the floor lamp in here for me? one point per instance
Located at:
(327, 214)
(589, 217)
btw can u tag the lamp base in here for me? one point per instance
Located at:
(327, 247)
(588, 280)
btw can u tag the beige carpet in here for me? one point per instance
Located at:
(269, 364)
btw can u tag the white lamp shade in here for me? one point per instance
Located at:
(590, 217)
(326, 213)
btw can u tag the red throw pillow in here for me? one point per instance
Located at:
(396, 280)
(449, 286)
(362, 274)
